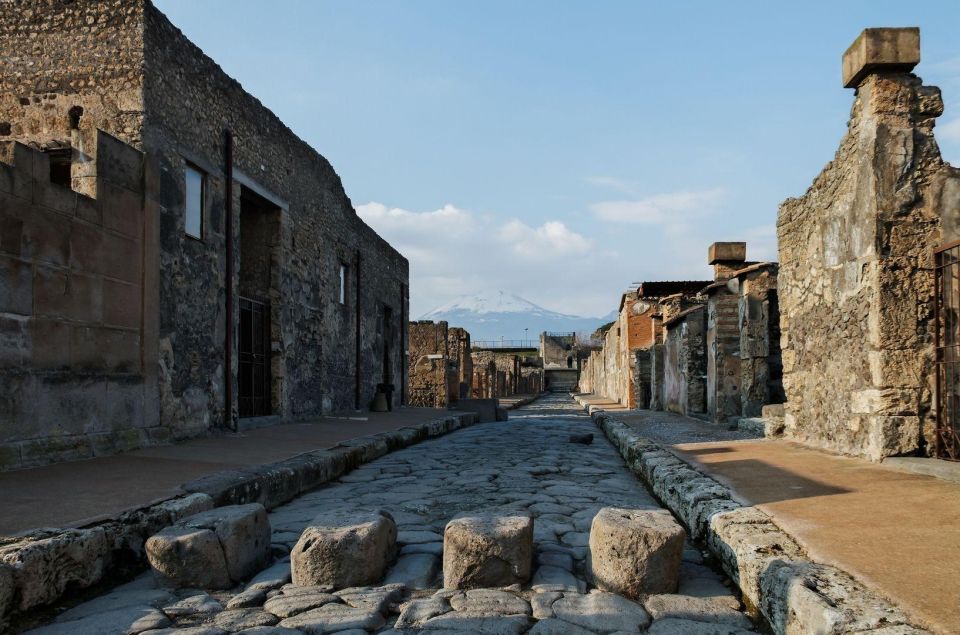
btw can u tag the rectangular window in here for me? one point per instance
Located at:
(193, 205)
(343, 283)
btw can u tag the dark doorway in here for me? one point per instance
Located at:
(569, 362)
(259, 316)
(254, 349)
(387, 371)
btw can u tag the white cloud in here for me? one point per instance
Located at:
(673, 211)
(455, 252)
(550, 240)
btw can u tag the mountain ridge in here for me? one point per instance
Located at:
(501, 315)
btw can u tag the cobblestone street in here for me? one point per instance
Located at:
(525, 464)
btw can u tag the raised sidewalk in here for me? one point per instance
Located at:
(78, 493)
(895, 531)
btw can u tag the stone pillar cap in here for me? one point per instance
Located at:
(726, 252)
(879, 50)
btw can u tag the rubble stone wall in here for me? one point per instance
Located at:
(685, 363)
(120, 66)
(75, 324)
(430, 364)
(723, 351)
(856, 278)
(761, 369)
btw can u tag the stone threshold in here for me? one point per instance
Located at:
(49, 566)
(777, 579)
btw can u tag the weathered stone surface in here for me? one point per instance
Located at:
(542, 603)
(465, 622)
(331, 618)
(247, 599)
(272, 577)
(287, 605)
(547, 578)
(686, 607)
(551, 626)
(602, 612)
(674, 626)
(213, 549)
(635, 552)
(344, 549)
(489, 602)
(240, 619)
(131, 619)
(415, 612)
(415, 571)
(200, 604)
(375, 598)
(881, 50)
(487, 550)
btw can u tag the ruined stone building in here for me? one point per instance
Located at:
(432, 370)
(864, 255)
(172, 256)
(561, 357)
(684, 354)
(758, 323)
(621, 369)
(499, 373)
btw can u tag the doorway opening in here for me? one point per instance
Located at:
(258, 393)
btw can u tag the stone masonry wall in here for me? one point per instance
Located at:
(723, 354)
(122, 67)
(77, 332)
(428, 384)
(685, 363)
(856, 278)
(761, 369)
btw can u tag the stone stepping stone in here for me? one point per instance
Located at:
(344, 549)
(487, 551)
(635, 552)
(214, 549)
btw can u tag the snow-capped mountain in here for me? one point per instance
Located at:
(492, 316)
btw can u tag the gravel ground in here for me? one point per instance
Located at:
(524, 465)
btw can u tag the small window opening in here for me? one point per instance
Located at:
(74, 114)
(343, 284)
(60, 165)
(193, 205)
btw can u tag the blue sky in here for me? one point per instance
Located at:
(562, 150)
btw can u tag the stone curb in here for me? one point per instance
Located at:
(44, 566)
(525, 402)
(775, 576)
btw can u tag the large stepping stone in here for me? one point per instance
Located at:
(344, 549)
(214, 549)
(487, 551)
(635, 552)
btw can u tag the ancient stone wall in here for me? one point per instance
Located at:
(458, 346)
(77, 332)
(430, 363)
(121, 66)
(685, 362)
(758, 317)
(856, 277)
(723, 354)
(557, 349)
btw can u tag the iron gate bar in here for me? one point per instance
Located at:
(947, 345)
(253, 357)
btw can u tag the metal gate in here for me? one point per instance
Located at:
(947, 316)
(254, 348)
